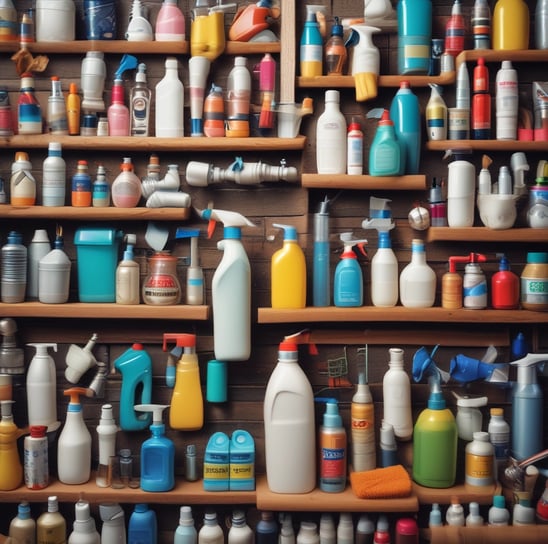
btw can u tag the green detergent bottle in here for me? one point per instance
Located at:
(435, 442)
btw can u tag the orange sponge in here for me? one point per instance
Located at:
(381, 483)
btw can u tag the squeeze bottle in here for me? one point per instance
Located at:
(345, 528)
(417, 280)
(41, 387)
(217, 463)
(81, 186)
(142, 526)
(348, 280)
(311, 47)
(238, 100)
(22, 527)
(289, 419)
(186, 532)
(510, 25)
(211, 532)
(436, 115)
(414, 36)
(321, 288)
(11, 471)
(498, 513)
(474, 518)
(118, 112)
(386, 154)
(186, 411)
(84, 530)
(54, 177)
(333, 449)
(106, 433)
(288, 272)
(74, 444)
(169, 103)
(384, 273)
(455, 513)
(51, 526)
(231, 289)
(506, 101)
(157, 453)
(287, 532)
(504, 287)
(170, 23)
(461, 190)
(331, 137)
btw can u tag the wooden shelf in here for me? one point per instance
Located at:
(369, 314)
(488, 534)
(102, 310)
(465, 493)
(386, 183)
(490, 55)
(488, 145)
(152, 144)
(483, 234)
(330, 82)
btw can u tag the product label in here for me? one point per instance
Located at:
(333, 462)
(242, 471)
(214, 471)
(534, 290)
(479, 466)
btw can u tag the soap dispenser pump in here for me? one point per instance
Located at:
(11, 471)
(157, 453)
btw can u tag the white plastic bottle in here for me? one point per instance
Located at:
(474, 518)
(384, 273)
(289, 419)
(41, 387)
(455, 513)
(169, 103)
(498, 513)
(331, 137)
(92, 81)
(345, 529)
(55, 20)
(128, 276)
(327, 531)
(106, 433)
(417, 279)
(308, 533)
(499, 435)
(238, 99)
(479, 461)
(396, 392)
(240, 532)
(211, 532)
(39, 247)
(186, 532)
(506, 102)
(54, 275)
(84, 530)
(461, 192)
(54, 177)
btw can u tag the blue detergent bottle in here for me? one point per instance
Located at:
(142, 526)
(414, 36)
(386, 153)
(242, 461)
(217, 463)
(348, 281)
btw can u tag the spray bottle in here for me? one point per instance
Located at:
(231, 288)
(187, 404)
(74, 444)
(194, 273)
(348, 280)
(157, 453)
(452, 282)
(128, 275)
(321, 295)
(106, 432)
(11, 472)
(83, 529)
(139, 28)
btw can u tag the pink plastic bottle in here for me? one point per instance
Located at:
(170, 24)
(118, 112)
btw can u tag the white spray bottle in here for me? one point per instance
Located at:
(113, 530)
(106, 432)
(231, 288)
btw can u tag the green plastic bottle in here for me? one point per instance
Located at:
(435, 442)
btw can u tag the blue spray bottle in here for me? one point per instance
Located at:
(348, 282)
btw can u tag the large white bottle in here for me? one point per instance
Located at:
(84, 530)
(384, 273)
(417, 280)
(289, 419)
(331, 137)
(506, 102)
(54, 176)
(211, 532)
(396, 392)
(169, 103)
(41, 387)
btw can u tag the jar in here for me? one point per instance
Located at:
(479, 460)
(162, 287)
(534, 282)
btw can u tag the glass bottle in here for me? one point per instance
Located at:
(162, 287)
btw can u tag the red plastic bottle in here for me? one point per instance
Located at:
(504, 287)
(481, 102)
(455, 30)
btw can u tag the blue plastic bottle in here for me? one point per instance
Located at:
(186, 531)
(311, 47)
(385, 153)
(321, 295)
(266, 530)
(348, 281)
(405, 113)
(142, 526)
(242, 461)
(157, 454)
(217, 463)
(414, 36)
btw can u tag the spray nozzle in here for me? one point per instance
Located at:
(471, 258)
(227, 218)
(74, 394)
(128, 62)
(182, 340)
(42, 348)
(157, 411)
(349, 242)
(436, 400)
(291, 342)
(465, 369)
(531, 359)
(381, 215)
(80, 360)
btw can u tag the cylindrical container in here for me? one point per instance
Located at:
(534, 282)
(474, 287)
(504, 287)
(396, 389)
(384, 273)
(510, 25)
(100, 194)
(13, 272)
(51, 527)
(81, 186)
(142, 525)
(499, 436)
(479, 461)
(481, 103)
(327, 530)
(56, 114)
(454, 30)
(498, 513)
(162, 287)
(481, 24)
(214, 113)
(354, 147)
(118, 112)
(523, 513)
(436, 116)
(54, 177)
(387, 444)
(100, 19)
(474, 518)
(365, 530)
(211, 532)
(311, 47)
(345, 529)
(362, 415)
(455, 513)
(55, 20)
(238, 99)
(106, 434)
(92, 81)
(308, 533)
(541, 25)
(8, 14)
(35, 458)
(29, 112)
(414, 36)
(126, 188)
(186, 532)
(39, 247)
(22, 527)
(331, 137)
(417, 280)
(506, 102)
(22, 182)
(461, 191)
(169, 95)
(54, 276)
(266, 530)
(333, 450)
(458, 123)
(240, 532)
(84, 530)
(89, 125)
(407, 531)
(73, 110)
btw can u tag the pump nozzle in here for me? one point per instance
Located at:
(228, 218)
(301, 337)
(156, 409)
(381, 215)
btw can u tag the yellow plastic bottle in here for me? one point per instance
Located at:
(187, 404)
(288, 272)
(11, 470)
(510, 25)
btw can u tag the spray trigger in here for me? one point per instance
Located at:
(128, 62)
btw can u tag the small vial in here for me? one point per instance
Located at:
(191, 472)
(89, 125)
(126, 467)
(102, 126)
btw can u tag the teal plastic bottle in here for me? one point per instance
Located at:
(142, 526)
(242, 461)
(405, 113)
(385, 153)
(186, 531)
(217, 463)
(348, 280)
(414, 36)
(311, 47)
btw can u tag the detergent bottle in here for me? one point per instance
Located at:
(207, 30)
(157, 453)
(386, 154)
(11, 471)
(142, 525)
(135, 365)
(311, 46)
(74, 444)
(187, 405)
(348, 280)
(288, 272)
(452, 282)
(417, 279)
(231, 289)
(366, 60)
(170, 23)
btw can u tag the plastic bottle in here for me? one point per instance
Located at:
(362, 415)
(217, 463)
(479, 461)
(39, 247)
(414, 36)
(523, 513)
(454, 30)
(417, 279)
(365, 530)
(100, 19)
(22, 182)
(534, 282)
(387, 445)
(214, 112)
(74, 444)
(288, 272)
(435, 442)
(35, 458)
(382, 531)
(474, 518)
(345, 529)
(266, 530)
(289, 419)
(54, 274)
(73, 110)
(499, 436)
(242, 461)
(434, 517)
(461, 190)
(321, 285)
(41, 384)
(84, 530)
(510, 25)
(327, 530)
(211, 532)
(333, 450)
(469, 417)
(113, 530)
(11, 473)
(186, 531)
(22, 527)
(365, 65)
(541, 25)
(308, 533)
(354, 147)
(238, 94)
(126, 187)
(455, 513)
(157, 454)
(335, 51)
(498, 513)
(92, 81)
(13, 269)
(481, 24)
(385, 153)
(55, 20)
(142, 525)
(504, 287)
(118, 112)
(128, 276)
(54, 177)
(287, 533)
(481, 103)
(407, 531)
(474, 287)
(9, 16)
(331, 137)
(311, 47)
(384, 273)
(100, 194)
(51, 527)
(29, 112)
(506, 101)
(81, 186)
(56, 115)
(436, 115)
(106, 434)
(140, 99)
(169, 103)
(240, 532)
(348, 279)
(170, 23)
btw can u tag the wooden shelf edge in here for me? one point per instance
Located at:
(387, 183)
(347, 82)
(492, 55)
(487, 145)
(483, 234)
(465, 493)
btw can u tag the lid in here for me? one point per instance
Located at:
(407, 526)
(171, 62)
(384, 240)
(496, 412)
(23, 510)
(385, 119)
(185, 516)
(73, 88)
(354, 124)
(97, 236)
(337, 28)
(332, 96)
(290, 232)
(81, 511)
(38, 431)
(21, 156)
(480, 436)
(54, 146)
(331, 417)
(435, 518)
(537, 257)
(499, 501)
(481, 77)
(53, 505)
(40, 235)
(240, 61)
(404, 84)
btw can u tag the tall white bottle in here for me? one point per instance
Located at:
(211, 532)
(42, 387)
(396, 392)
(169, 103)
(113, 530)
(106, 433)
(84, 530)
(384, 273)
(238, 99)
(506, 102)
(417, 280)
(186, 532)
(54, 177)
(331, 137)
(240, 532)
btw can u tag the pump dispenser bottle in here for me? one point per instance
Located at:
(41, 384)
(84, 530)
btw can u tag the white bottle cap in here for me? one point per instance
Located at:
(332, 96)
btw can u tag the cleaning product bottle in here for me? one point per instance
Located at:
(41, 386)
(331, 137)
(311, 47)
(499, 436)
(454, 30)
(481, 24)
(345, 528)
(9, 16)
(289, 419)
(157, 453)
(469, 417)
(214, 112)
(170, 23)
(135, 365)
(113, 529)
(74, 444)
(435, 442)
(414, 36)
(198, 68)
(434, 517)
(321, 288)
(474, 286)
(436, 115)
(84, 530)
(474, 518)
(139, 100)
(523, 513)
(35, 458)
(510, 25)
(461, 190)
(506, 101)
(354, 148)
(481, 103)
(211, 532)
(504, 287)
(348, 280)
(51, 526)
(455, 513)
(11, 473)
(39, 247)
(118, 112)
(242, 461)
(54, 273)
(73, 110)
(139, 28)
(13, 271)
(169, 103)
(106, 433)
(207, 30)
(452, 282)
(308, 533)
(385, 153)
(92, 81)
(81, 186)
(29, 112)
(417, 280)
(287, 532)
(335, 50)
(333, 450)
(186, 532)
(194, 273)
(56, 114)
(22, 182)
(231, 289)
(54, 177)
(240, 532)
(22, 527)
(327, 529)
(498, 513)
(405, 113)
(238, 100)
(366, 60)
(126, 187)
(479, 461)
(128, 275)
(384, 273)
(142, 525)
(288, 272)
(382, 531)
(365, 530)
(187, 406)
(266, 530)
(217, 463)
